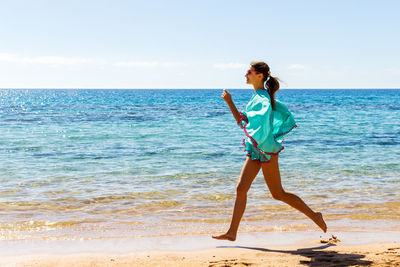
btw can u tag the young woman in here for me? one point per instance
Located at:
(265, 121)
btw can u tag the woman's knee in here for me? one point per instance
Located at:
(278, 195)
(242, 188)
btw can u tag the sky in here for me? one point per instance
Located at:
(198, 44)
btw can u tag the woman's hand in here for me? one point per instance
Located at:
(226, 96)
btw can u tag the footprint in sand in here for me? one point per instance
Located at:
(224, 263)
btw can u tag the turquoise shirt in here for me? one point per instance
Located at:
(264, 126)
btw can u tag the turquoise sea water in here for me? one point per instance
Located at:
(111, 163)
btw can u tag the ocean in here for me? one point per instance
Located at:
(94, 164)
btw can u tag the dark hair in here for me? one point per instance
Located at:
(272, 83)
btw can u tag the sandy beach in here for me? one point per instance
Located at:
(375, 254)
(251, 249)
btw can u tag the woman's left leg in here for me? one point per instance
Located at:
(273, 179)
(249, 171)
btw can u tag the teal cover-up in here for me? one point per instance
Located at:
(264, 126)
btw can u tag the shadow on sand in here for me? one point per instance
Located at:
(317, 256)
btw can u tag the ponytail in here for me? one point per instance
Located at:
(272, 85)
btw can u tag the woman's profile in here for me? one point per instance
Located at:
(265, 121)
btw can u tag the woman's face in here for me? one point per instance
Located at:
(253, 77)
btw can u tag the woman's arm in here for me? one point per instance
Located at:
(228, 99)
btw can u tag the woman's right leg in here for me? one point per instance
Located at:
(249, 172)
(273, 179)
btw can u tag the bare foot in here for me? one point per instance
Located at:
(320, 221)
(225, 237)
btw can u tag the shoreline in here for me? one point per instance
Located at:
(190, 242)
(372, 243)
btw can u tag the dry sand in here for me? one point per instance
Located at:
(322, 254)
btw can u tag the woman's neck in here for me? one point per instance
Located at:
(258, 87)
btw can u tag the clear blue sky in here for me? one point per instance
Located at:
(198, 44)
